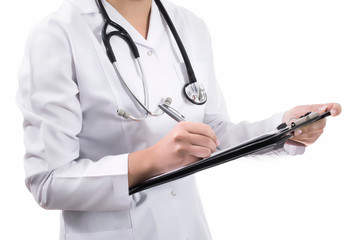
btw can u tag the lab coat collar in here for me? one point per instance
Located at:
(156, 25)
(86, 6)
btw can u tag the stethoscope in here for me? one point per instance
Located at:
(194, 91)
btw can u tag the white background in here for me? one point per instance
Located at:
(270, 55)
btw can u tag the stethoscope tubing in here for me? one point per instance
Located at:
(144, 105)
(189, 68)
(122, 33)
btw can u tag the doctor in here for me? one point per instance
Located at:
(82, 155)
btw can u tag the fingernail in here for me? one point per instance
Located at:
(333, 112)
(298, 132)
(322, 109)
(217, 142)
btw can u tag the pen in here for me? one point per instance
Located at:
(172, 112)
(175, 114)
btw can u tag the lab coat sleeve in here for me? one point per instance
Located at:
(229, 133)
(48, 97)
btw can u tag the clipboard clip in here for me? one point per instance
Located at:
(305, 119)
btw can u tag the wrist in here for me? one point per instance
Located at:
(140, 166)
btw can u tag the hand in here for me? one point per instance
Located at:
(186, 143)
(309, 134)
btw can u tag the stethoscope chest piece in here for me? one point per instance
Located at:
(195, 93)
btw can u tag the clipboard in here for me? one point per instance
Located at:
(269, 141)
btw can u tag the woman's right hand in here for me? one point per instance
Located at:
(186, 143)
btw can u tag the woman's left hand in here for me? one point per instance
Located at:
(309, 134)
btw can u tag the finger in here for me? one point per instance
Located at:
(202, 141)
(309, 135)
(201, 129)
(306, 141)
(307, 138)
(199, 152)
(297, 132)
(334, 108)
(190, 159)
(316, 126)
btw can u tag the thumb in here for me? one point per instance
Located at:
(334, 108)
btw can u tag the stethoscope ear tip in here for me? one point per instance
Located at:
(196, 93)
(122, 113)
(168, 101)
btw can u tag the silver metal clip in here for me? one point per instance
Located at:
(304, 118)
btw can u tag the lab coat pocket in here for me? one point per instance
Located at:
(125, 234)
(192, 112)
(99, 225)
(144, 223)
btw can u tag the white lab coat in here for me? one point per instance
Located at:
(77, 147)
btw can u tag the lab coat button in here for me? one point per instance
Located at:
(149, 53)
(173, 193)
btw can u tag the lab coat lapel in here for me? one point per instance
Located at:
(124, 57)
(80, 29)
